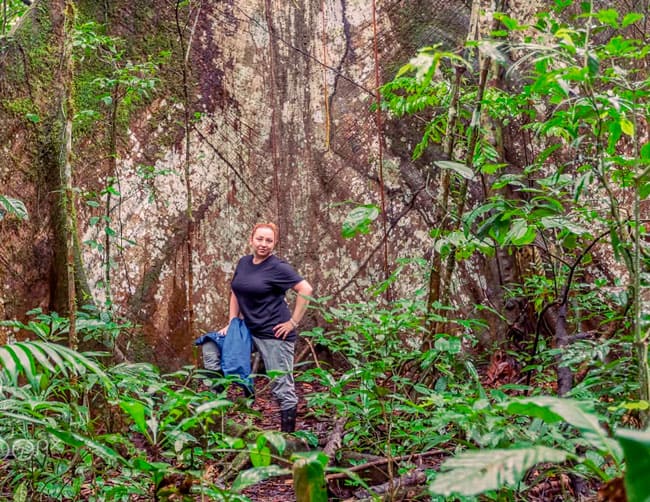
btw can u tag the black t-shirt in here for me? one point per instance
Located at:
(260, 293)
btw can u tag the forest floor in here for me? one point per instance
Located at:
(280, 489)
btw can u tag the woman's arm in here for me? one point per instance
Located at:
(233, 311)
(304, 290)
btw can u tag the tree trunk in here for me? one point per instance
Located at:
(68, 279)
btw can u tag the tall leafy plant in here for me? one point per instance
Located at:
(584, 101)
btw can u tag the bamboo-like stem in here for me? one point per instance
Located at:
(67, 112)
(185, 51)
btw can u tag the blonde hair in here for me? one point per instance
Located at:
(271, 226)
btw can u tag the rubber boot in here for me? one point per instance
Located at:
(288, 419)
(215, 374)
(248, 389)
(249, 392)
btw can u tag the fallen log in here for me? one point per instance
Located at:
(336, 438)
(410, 479)
(383, 461)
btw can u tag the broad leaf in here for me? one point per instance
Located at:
(78, 441)
(578, 414)
(475, 472)
(137, 410)
(257, 474)
(636, 448)
(457, 167)
(520, 234)
(358, 220)
(309, 479)
(14, 207)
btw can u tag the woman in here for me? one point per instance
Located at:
(257, 295)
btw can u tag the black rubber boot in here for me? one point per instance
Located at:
(288, 419)
(248, 390)
(214, 375)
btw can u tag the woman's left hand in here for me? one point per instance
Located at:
(283, 329)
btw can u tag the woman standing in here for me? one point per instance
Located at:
(257, 295)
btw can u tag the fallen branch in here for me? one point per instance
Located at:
(383, 461)
(410, 479)
(336, 439)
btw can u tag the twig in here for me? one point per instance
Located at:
(383, 461)
(310, 347)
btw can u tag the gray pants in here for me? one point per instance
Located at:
(278, 356)
(211, 356)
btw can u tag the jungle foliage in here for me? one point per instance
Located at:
(78, 426)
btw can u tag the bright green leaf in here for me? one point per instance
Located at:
(631, 18)
(608, 17)
(627, 127)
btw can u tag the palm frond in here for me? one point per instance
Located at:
(32, 358)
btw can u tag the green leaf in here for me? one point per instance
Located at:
(563, 223)
(631, 18)
(78, 441)
(277, 440)
(593, 64)
(520, 234)
(14, 207)
(608, 17)
(21, 493)
(358, 220)
(475, 472)
(645, 151)
(257, 474)
(260, 457)
(627, 127)
(459, 168)
(217, 405)
(576, 413)
(137, 411)
(309, 479)
(636, 449)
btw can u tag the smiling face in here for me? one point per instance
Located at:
(263, 242)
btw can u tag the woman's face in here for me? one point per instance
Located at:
(263, 242)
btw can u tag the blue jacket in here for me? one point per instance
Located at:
(235, 348)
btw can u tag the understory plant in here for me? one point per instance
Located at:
(572, 87)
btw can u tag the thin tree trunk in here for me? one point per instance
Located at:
(439, 279)
(67, 112)
(185, 52)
